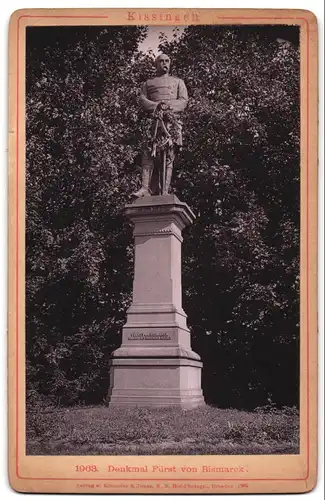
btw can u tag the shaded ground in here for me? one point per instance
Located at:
(162, 431)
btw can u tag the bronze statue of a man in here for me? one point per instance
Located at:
(163, 98)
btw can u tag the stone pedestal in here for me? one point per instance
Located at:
(155, 365)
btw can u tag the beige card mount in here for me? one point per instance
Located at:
(163, 251)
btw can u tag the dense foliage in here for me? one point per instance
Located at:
(239, 171)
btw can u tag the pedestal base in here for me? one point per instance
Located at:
(155, 365)
(156, 382)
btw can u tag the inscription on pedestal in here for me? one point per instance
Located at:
(149, 336)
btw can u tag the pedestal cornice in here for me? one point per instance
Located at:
(158, 208)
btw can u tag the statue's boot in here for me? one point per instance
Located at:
(146, 178)
(169, 171)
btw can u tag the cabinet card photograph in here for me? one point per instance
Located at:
(163, 251)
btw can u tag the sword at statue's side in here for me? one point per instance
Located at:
(154, 143)
(164, 172)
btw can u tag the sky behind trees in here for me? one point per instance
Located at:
(151, 42)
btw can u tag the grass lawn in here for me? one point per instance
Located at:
(161, 431)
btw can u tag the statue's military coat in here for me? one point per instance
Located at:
(165, 88)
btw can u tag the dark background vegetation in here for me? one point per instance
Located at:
(239, 172)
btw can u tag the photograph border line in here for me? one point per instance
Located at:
(305, 20)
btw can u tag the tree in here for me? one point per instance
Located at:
(80, 171)
(240, 169)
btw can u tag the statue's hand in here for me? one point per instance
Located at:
(162, 106)
(163, 110)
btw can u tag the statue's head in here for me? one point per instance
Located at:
(162, 64)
